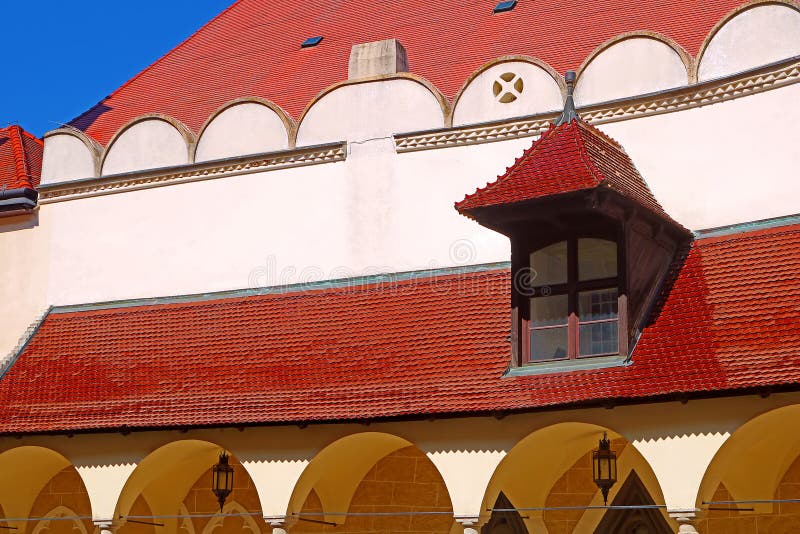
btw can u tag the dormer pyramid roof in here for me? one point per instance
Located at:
(569, 157)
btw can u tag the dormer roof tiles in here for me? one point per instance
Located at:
(574, 156)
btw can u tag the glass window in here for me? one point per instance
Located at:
(597, 259)
(598, 322)
(573, 309)
(548, 328)
(550, 265)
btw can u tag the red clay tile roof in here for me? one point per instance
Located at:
(571, 157)
(20, 159)
(253, 48)
(434, 345)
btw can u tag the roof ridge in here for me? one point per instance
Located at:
(20, 159)
(748, 229)
(588, 161)
(151, 65)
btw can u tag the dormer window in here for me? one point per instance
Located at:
(590, 247)
(574, 304)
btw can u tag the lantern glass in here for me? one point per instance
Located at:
(604, 467)
(222, 479)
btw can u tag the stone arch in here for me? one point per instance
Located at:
(216, 524)
(548, 86)
(404, 102)
(558, 458)
(632, 64)
(260, 126)
(147, 142)
(37, 466)
(373, 471)
(754, 459)
(45, 525)
(164, 477)
(756, 33)
(69, 154)
(359, 451)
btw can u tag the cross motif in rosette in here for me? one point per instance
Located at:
(508, 87)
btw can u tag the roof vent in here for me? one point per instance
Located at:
(506, 5)
(311, 41)
(377, 58)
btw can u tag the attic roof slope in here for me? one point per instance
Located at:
(253, 48)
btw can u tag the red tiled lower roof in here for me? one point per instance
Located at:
(253, 48)
(20, 159)
(435, 345)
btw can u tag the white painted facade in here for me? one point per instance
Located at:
(385, 210)
(380, 210)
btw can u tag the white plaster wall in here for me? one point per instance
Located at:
(478, 103)
(380, 211)
(721, 164)
(66, 158)
(755, 37)
(634, 66)
(149, 144)
(246, 128)
(24, 264)
(360, 111)
(377, 212)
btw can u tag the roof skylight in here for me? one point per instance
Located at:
(312, 41)
(506, 5)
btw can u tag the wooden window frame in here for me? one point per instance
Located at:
(572, 288)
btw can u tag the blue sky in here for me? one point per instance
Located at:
(62, 57)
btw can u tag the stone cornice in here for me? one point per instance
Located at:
(210, 170)
(753, 81)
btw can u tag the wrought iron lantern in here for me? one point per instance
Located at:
(604, 467)
(222, 479)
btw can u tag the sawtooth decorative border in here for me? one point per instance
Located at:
(750, 82)
(107, 185)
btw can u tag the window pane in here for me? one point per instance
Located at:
(597, 305)
(548, 343)
(598, 338)
(549, 311)
(550, 265)
(597, 258)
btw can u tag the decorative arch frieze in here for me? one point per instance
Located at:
(729, 17)
(185, 133)
(287, 121)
